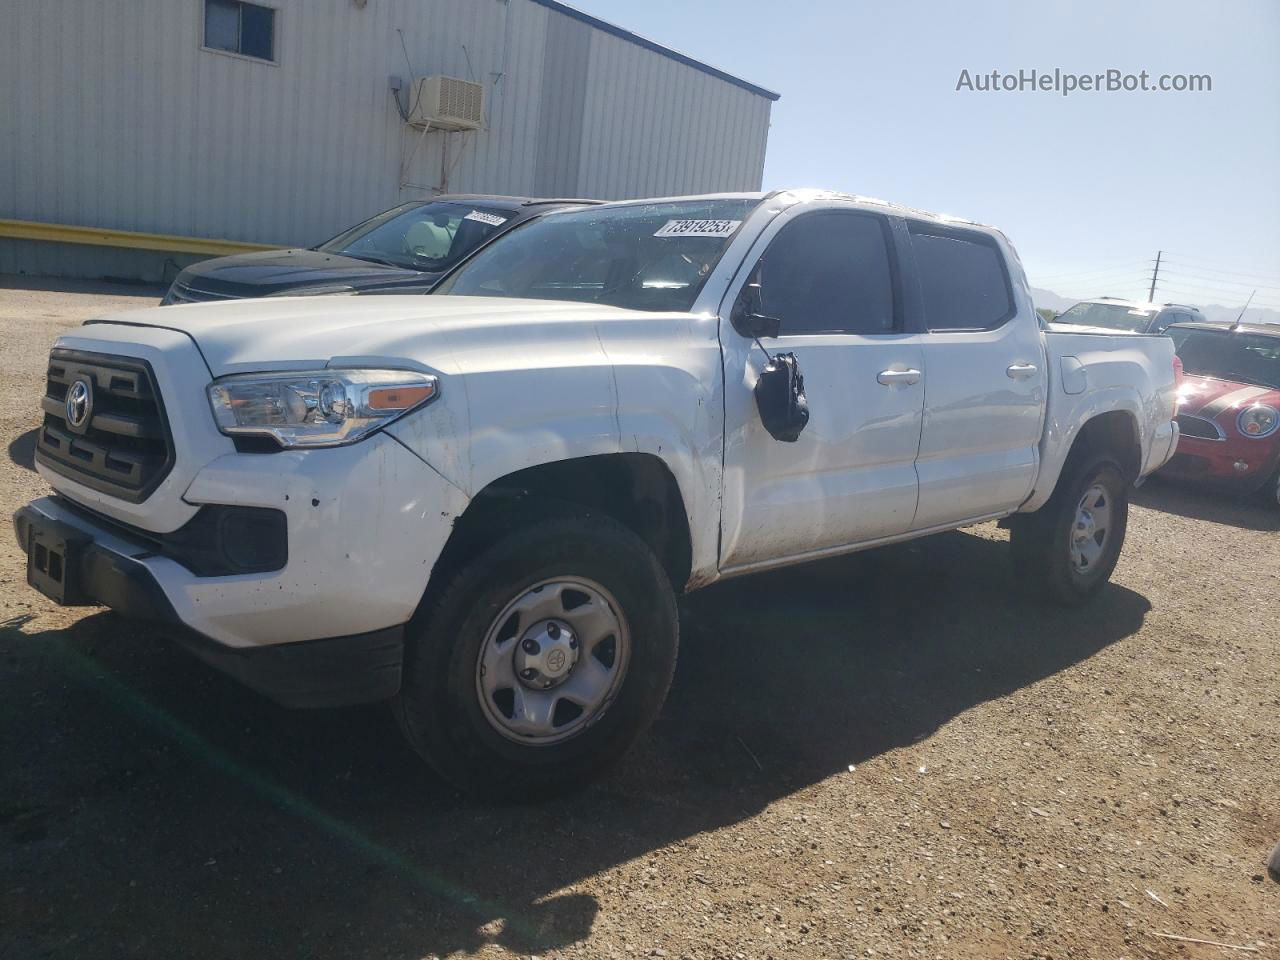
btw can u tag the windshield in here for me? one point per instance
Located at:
(420, 236)
(644, 256)
(1114, 316)
(1248, 358)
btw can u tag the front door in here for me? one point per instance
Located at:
(830, 276)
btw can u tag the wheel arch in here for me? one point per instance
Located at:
(1117, 430)
(638, 490)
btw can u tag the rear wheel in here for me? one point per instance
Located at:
(540, 661)
(1070, 546)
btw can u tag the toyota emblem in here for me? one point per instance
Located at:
(79, 404)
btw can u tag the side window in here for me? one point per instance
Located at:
(962, 278)
(829, 272)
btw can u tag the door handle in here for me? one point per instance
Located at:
(1021, 371)
(890, 377)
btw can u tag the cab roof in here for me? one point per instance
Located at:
(805, 194)
(510, 204)
(1141, 304)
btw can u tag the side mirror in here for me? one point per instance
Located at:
(779, 390)
(748, 316)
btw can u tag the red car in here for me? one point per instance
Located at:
(1229, 406)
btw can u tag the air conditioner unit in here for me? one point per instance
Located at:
(446, 103)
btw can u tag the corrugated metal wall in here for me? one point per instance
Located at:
(111, 115)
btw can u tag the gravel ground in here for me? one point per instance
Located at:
(887, 755)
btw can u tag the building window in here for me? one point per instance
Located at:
(244, 28)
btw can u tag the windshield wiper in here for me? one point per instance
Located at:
(382, 260)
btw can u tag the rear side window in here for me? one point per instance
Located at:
(829, 272)
(963, 280)
(1168, 317)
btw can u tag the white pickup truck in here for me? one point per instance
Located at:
(480, 504)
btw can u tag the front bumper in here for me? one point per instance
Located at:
(1213, 463)
(365, 524)
(332, 672)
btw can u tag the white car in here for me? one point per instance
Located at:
(480, 504)
(1133, 316)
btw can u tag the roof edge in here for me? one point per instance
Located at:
(676, 55)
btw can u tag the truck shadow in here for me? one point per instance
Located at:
(155, 808)
(1214, 506)
(22, 451)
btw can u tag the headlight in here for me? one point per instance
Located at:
(1258, 421)
(325, 408)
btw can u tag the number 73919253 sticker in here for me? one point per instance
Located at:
(698, 228)
(492, 219)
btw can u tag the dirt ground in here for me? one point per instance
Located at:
(888, 755)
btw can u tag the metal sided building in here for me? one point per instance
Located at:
(140, 135)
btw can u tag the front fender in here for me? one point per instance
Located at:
(627, 389)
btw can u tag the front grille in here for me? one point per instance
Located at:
(123, 446)
(183, 293)
(1190, 426)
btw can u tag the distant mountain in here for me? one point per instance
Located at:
(1212, 311)
(1049, 299)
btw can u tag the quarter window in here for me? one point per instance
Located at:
(830, 272)
(237, 27)
(962, 279)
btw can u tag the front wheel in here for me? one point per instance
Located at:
(540, 661)
(1070, 546)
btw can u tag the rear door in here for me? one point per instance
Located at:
(984, 378)
(831, 275)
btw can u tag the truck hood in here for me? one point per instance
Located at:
(1209, 397)
(281, 333)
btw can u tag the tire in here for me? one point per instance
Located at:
(463, 721)
(1048, 547)
(1271, 491)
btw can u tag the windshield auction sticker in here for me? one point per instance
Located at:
(698, 228)
(492, 219)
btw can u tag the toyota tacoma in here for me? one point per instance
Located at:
(480, 505)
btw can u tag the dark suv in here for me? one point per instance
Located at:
(406, 249)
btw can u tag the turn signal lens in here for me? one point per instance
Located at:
(400, 398)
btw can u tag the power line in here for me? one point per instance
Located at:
(1214, 286)
(1248, 285)
(1089, 281)
(1199, 295)
(1215, 269)
(1114, 268)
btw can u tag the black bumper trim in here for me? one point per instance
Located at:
(329, 672)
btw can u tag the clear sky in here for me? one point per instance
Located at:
(1088, 187)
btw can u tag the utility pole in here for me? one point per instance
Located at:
(1155, 274)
